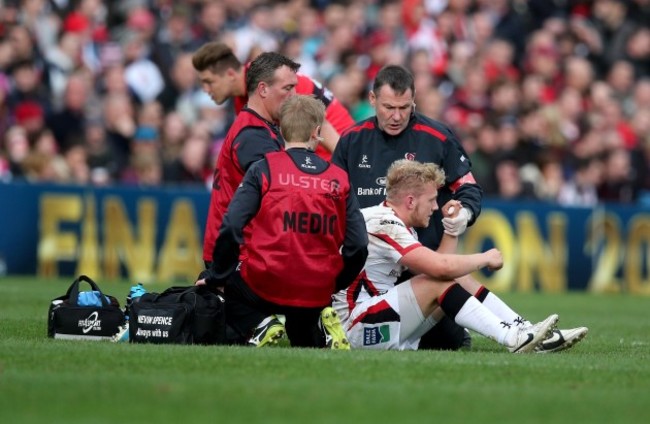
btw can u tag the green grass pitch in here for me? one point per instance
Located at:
(604, 379)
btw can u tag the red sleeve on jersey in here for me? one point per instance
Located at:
(465, 179)
(305, 85)
(338, 116)
(368, 125)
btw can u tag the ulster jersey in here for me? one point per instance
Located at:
(388, 240)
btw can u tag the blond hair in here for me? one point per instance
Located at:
(411, 176)
(299, 115)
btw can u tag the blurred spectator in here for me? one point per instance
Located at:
(173, 39)
(120, 124)
(580, 188)
(150, 115)
(178, 94)
(102, 161)
(191, 167)
(142, 76)
(16, 146)
(24, 48)
(483, 158)
(76, 160)
(68, 123)
(29, 115)
(145, 169)
(145, 166)
(548, 82)
(546, 176)
(62, 60)
(211, 22)
(621, 78)
(27, 85)
(173, 134)
(617, 184)
(510, 185)
(641, 96)
(256, 35)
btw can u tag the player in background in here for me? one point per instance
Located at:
(223, 77)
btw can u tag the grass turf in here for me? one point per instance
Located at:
(604, 379)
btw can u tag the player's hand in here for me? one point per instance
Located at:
(201, 280)
(451, 209)
(495, 259)
(457, 225)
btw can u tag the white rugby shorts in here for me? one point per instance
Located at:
(391, 321)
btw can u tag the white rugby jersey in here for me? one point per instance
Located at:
(388, 240)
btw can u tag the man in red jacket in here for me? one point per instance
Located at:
(223, 77)
(293, 235)
(270, 81)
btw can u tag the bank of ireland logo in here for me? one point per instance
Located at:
(381, 181)
(376, 335)
(92, 323)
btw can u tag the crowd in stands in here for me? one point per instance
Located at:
(550, 97)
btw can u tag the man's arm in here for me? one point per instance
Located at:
(243, 207)
(449, 243)
(339, 156)
(446, 267)
(462, 185)
(355, 244)
(251, 144)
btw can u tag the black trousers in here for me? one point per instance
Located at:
(245, 310)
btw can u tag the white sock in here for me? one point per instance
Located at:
(503, 311)
(476, 316)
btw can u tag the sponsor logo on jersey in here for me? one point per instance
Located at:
(376, 335)
(335, 190)
(395, 273)
(308, 164)
(381, 181)
(409, 156)
(364, 162)
(371, 191)
(307, 182)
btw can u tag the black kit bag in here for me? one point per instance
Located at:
(69, 320)
(181, 315)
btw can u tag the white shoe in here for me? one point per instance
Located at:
(122, 334)
(528, 338)
(561, 339)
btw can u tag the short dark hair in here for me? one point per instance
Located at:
(263, 69)
(396, 77)
(215, 56)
